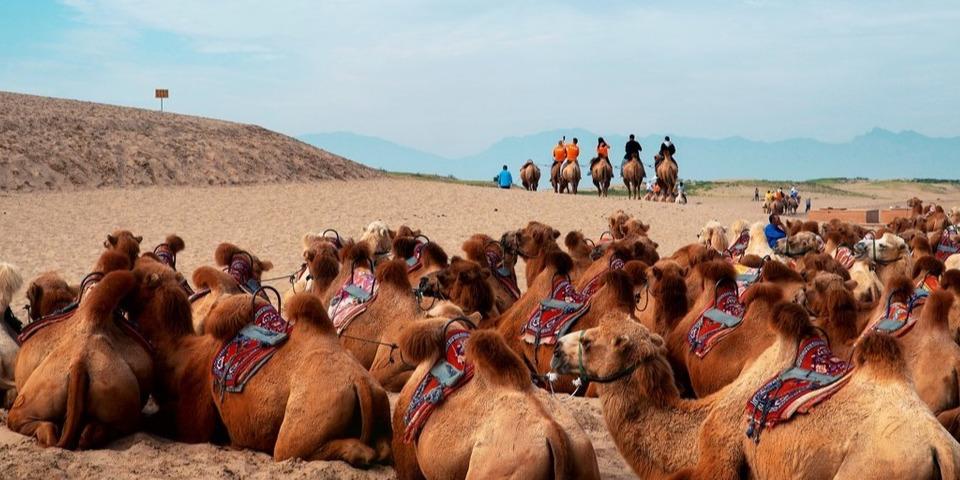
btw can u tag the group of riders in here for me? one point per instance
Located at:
(565, 153)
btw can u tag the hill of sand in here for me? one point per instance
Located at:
(64, 231)
(54, 144)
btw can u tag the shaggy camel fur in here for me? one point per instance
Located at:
(728, 357)
(713, 235)
(95, 378)
(378, 236)
(476, 249)
(580, 251)
(758, 242)
(494, 426)
(312, 400)
(530, 176)
(623, 225)
(570, 178)
(706, 437)
(125, 242)
(829, 299)
(432, 257)
(601, 172)
(10, 282)
(633, 173)
(467, 285)
(664, 299)
(950, 282)
(616, 293)
(532, 243)
(220, 283)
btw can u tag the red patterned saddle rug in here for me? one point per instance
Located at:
(900, 317)
(948, 244)
(242, 357)
(352, 299)
(739, 247)
(166, 255)
(594, 284)
(241, 269)
(504, 275)
(814, 376)
(844, 255)
(449, 374)
(556, 314)
(718, 320)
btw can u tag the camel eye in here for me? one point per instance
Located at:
(585, 343)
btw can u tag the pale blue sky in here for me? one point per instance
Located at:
(453, 76)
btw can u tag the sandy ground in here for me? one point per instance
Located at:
(64, 232)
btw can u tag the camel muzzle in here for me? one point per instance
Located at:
(559, 362)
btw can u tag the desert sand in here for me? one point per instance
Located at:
(64, 231)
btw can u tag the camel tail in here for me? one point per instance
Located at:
(77, 385)
(944, 463)
(367, 415)
(559, 445)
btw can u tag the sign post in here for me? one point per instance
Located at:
(162, 93)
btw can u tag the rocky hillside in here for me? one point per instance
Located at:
(54, 144)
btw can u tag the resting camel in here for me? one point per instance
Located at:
(876, 411)
(95, 378)
(633, 174)
(427, 257)
(243, 269)
(380, 239)
(532, 243)
(494, 426)
(623, 225)
(667, 176)
(466, 284)
(530, 176)
(713, 235)
(501, 262)
(570, 178)
(602, 172)
(10, 282)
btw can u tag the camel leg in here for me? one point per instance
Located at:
(95, 434)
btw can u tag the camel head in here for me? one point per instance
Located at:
(160, 306)
(323, 261)
(578, 246)
(125, 242)
(617, 221)
(827, 294)
(798, 244)
(48, 293)
(407, 231)
(10, 282)
(478, 244)
(241, 264)
(954, 215)
(378, 236)
(535, 239)
(886, 249)
(464, 282)
(713, 235)
(915, 204)
(841, 233)
(902, 224)
(814, 263)
(667, 292)
(616, 350)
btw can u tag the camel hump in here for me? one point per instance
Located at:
(225, 252)
(420, 341)
(475, 248)
(774, 271)
(936, 312)
(394, 272)
(175, 243)
(308, 309)
(900, 285)
(574, 239)
(716, 270)
(403, 247)
(495, 362)
(620, 284)
(112, 260)
(435, 253)
(207, 277)
(929, 264)
(229, 315)
(560, 261)
(102, 300)
(950, 280)
(881, 351)
(791, 321)
(762, 291)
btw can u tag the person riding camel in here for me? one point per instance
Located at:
(633, 150)
(666, 146)
(559, 152)
(603, 153)
(573, 151)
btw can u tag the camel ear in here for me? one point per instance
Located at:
(138, 238)
(266, 265)
(850, 284)
(556, 233)
(111, 241)
(475, 317)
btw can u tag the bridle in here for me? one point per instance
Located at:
(586, 377)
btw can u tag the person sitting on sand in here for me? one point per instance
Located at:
(603, 153)
(774, 231)
(504, 179)
(573, 151)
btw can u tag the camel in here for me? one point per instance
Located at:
(706, 436)
(602, 172)
(623, 225)
(124, 242)
(380, 239)
(664, 299)
(713, 235)
(555, 179)
(799, 244)
(467, 285)
(570, 178)
(494, 425)
(530, 176)
(422, 257)
(245, 270)
(633, 174)
(580, 251)
(758, 242)
(667, 176)
(501, 262)
(95, 378)
(10, 282)
(532, 243)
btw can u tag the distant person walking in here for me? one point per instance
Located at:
(573, 151)
(808, 206)
(504, 179)
(632, 149)
(756, 194)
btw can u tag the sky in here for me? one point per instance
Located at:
(451, 77)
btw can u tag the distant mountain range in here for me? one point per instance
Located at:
(877, 154)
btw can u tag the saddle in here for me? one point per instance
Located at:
(166, 255)
(352, 299)
(814, 376)
(506, 277)
(556, 314)
(844, 255)
(718, 320)
(241, 358)
(739, 247)
(445, 377)
(948, 245)
(594, 284)
(241, 269)
(899, 317)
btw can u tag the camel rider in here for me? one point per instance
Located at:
(559, 152)
(793, 191)
(633, 150)
(603, 153)
(573, 151)
(667, 146)
(774, 231)
(768, 197)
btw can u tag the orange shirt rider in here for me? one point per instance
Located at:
(559, 153)
(573, 151)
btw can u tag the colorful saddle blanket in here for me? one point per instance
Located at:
(814, 376)
(449, 374)
(504, 275)
(594, 284)
(948, 244)
(746, 277)
(352, 299)
(718, 320)
(242, 357)
(415, 262)
(900, 317)
(166, 255)
(844, 255)
(241, 269)
(735, 251)
(928, 284)
(556, 314)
